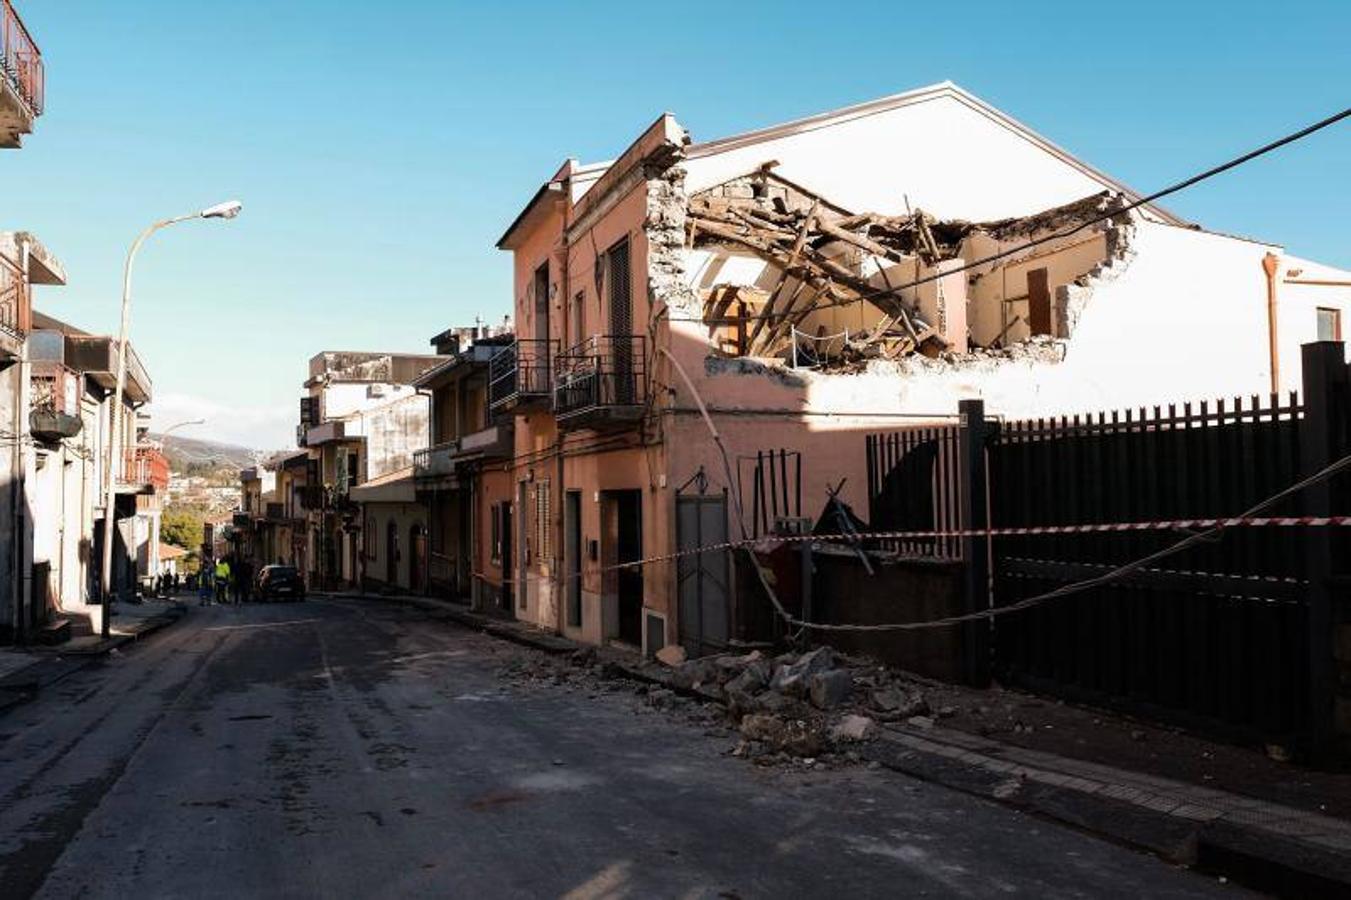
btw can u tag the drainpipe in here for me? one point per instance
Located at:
(562, 573)
(1270, 264)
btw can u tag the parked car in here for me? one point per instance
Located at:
(280, 583)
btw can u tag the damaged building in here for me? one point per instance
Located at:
(706, 330)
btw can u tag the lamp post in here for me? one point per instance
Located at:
(226, 210)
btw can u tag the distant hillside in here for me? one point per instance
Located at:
(199, 455)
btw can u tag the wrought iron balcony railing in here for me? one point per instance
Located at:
(20, 59)
(602, 378)
(437, 460)
(145, 467)
(520, 373)
(15, 300)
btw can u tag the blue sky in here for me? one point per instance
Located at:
(381, 148)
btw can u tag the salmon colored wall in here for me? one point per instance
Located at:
(494, 486)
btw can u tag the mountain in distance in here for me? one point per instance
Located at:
(201, 455)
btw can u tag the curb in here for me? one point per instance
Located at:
(1256, 859)
(21, 686)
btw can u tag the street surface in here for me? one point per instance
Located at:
(345, 749)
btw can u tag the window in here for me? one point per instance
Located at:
(542, 302)
(543, 530)
(370, 537)
(576, 330)
(1329, 324)
(621, 300)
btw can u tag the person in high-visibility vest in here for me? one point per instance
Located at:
(204, 583)
(222, 580)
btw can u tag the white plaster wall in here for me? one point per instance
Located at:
(1184, 320)
(948, 157)
(393, 431)
(344, 398)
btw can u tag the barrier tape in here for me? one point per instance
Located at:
(1030, 531)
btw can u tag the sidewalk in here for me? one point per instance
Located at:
(1301, 847)
(24, 672)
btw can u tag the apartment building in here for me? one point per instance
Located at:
(361, 421)
(688, 306)
(461, 479)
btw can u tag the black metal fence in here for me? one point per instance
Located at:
(1236, 633)
(1216, 632)
(774, 480)
(913, 485)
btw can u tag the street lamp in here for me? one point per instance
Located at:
(227, 210)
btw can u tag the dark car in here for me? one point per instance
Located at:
(280, 583)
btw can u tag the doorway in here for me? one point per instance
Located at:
(702, 578)
(629, 548)
(505, 535)
(392, 553)
(522, 542)
(572, 554)
(417, 564)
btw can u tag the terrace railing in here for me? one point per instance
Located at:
(20, 58)
(605, 374)
(520, 372)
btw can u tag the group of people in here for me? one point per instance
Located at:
(166, 584)
(226, 580)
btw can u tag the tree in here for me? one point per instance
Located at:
(182, 527)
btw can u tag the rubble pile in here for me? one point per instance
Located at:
(806, 706)
(826, 256)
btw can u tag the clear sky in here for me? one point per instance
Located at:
(381, 148)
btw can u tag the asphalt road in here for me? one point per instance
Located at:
(341, 749)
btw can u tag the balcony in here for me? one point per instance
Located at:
(494, 442)
(56, 394)
(96, 357)
(324, 433)
(601, 382)
(21, 78)
(436, 462)
(15, 309)
(145, 470)
(519, 375)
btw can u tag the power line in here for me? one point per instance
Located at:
(1067, 232)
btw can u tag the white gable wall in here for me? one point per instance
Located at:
(953, 159)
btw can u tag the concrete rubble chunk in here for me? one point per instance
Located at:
(792, 679)
(898, 703)
(729, 666)
(672, 655)
(751, 680)
(693, 673)
(828, 690)
(853, 728)
(796, 737)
